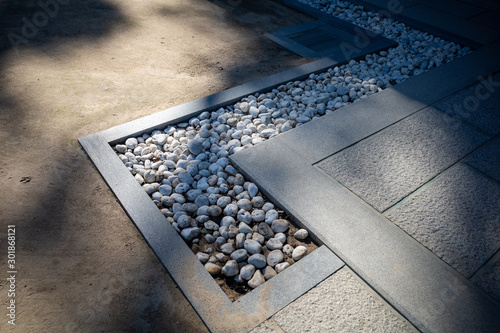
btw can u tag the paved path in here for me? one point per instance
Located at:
(404, 187)
(469, 22)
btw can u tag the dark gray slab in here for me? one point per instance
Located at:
(453, 7)
(478, 105)
(429, 293)
(488, 278)
(456, 216)
(486, 4)
(487, 159)
(458, 26)
(207, 298)
(490, 19)
(391, 4)
(386, 167)
(320, 138)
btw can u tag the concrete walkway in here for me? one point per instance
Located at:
(404, 187)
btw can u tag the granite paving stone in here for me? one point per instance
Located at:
(486, 4)
(341, 303)
(389, 165)
(453, 7)
(456, 216)
(389, 4)
(487, 159)
(489, 279)
(478, 105)
(490, 19)
(453, 24)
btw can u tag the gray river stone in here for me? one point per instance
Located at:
(252, 246)
(256, 280)
(230, 268)
(247, 271)
(274, 257)
(239, 255)
(279, 225)
(258, 260)
(265, 230)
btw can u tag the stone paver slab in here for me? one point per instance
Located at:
(453, 7)
(388, 166)
(487, 159)
(486, 4)
(456, 216)
(341, 303)
(453, 24)
(478, 105)
(390, 4)
(488, 279)
(490, 18)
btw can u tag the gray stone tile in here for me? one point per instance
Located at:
(453, 7)
(389, 165)
(486, 4)
(488, 279)
(490, 19)
(341, 303)
(456, 216)
(389, 4)
(487, 159)
(458, 26)
(478, 105)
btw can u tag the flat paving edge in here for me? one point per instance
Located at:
(207, 298)
(426, 291)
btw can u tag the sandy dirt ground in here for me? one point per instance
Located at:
(71, 68)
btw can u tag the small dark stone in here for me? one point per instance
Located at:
(265, 230)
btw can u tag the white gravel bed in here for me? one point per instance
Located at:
(232, 228)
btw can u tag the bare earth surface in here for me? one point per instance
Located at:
(82, 265)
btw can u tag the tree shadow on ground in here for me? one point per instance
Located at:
(46, 26)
